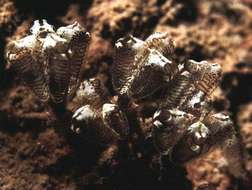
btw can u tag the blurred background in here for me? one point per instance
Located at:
(34, 155)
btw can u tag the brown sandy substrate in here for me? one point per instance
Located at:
(38, 154)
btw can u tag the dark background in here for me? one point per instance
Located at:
(35, 154)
